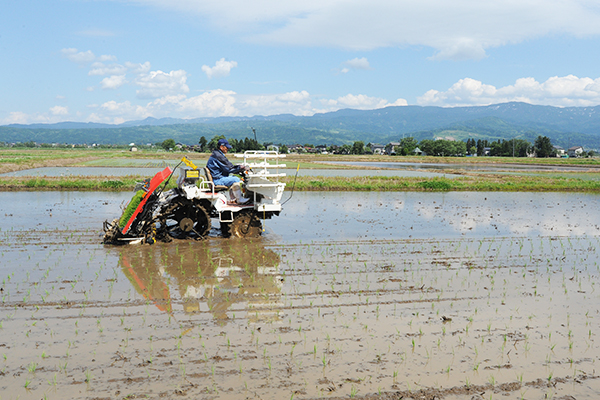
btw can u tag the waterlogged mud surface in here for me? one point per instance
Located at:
(371, 295)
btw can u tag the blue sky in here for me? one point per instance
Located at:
(118, 60)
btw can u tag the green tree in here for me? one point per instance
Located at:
(443, 148)
(202, 142)
(345, 149)
(543, 147)
(283, 149)
(481, 145)
(212, 145)
(408, 146)
(168, 144)
(358, 147)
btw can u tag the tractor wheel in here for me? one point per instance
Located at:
(186, 218)
(246, 224)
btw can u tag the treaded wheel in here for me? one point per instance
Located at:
(246, 224)
(183, 217)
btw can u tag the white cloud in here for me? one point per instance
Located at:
(556, 91)
(221, 69)
(99, 68)
(138, 68)
(159, 83)
(459, 29)
(17, 117)
(56, 114)
(212, 103)
(113, 82)
(107, 57)
(80, 57)
(359, 102)
(296, 102)
(357, 63)
(59, 110)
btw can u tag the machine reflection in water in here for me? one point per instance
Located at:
(222, 277)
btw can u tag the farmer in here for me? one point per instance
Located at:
(220, 168)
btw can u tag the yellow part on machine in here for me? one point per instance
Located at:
(189, 163)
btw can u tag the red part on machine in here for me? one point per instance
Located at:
(154, 183)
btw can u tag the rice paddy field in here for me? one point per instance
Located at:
(367, 295)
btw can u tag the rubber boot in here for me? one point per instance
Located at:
(237, 193)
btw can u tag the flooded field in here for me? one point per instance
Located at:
(149, 171)
(346, 295)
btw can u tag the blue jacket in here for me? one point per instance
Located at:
(219, 166)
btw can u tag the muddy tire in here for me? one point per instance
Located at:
(184, 218)
(245, 225)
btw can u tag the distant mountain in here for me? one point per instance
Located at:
(565, 126)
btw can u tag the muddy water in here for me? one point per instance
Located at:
(346, 295)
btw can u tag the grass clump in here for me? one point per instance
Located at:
(113, 184)
(436, 184)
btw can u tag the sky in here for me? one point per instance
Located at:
(112, 61)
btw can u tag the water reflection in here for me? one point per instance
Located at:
(470, 166)
(212, 275)
(412, 215)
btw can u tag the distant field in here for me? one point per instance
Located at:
(22, 159)
(18, 159)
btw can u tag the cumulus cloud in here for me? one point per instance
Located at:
(113, 82)
(555, 91)
(55, 114)
(17, 117)
(59, 110)
(358, 63)
(460, 29)
(85, 57)
(221, 69)
(80, 57)
(354, 64)
(99, 68)
(295, 102)
(212, 103)
(359, 102)
(151, 84)
(159, 83)
(138, 68)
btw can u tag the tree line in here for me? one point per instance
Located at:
(542, 147)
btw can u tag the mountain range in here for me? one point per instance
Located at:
(566, 127)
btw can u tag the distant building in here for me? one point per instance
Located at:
(575, 151)
(390, 148)
(377, 148)
(560, 152)
(321, 149)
